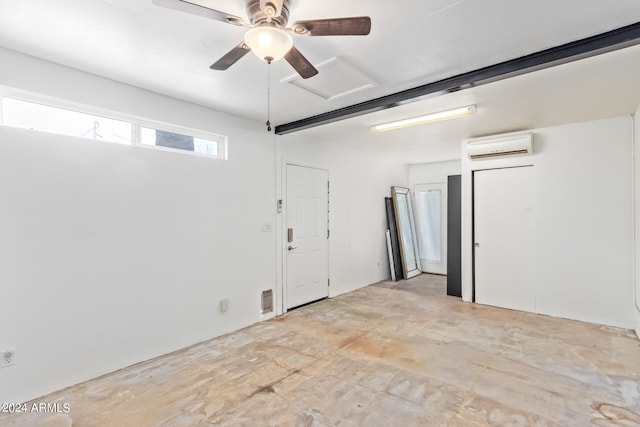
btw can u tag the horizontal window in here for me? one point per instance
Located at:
(179, 141)
(46, 118)
(30, 115)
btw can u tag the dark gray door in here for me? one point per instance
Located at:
(454, 236)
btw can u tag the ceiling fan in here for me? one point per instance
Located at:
(268, 35)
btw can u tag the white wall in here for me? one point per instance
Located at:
(583, 220)
(431, 173)
(636, 171)
(359, 183)
(112, 254)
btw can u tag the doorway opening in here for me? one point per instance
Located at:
(431, 212)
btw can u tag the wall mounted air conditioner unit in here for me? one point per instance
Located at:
(500, 145)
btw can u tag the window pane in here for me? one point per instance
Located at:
(30, 115)
(178, 141)
(429, 205)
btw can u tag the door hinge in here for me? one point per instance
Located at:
(328, 282)
(327, 233)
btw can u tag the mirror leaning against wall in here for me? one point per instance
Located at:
(406, 231)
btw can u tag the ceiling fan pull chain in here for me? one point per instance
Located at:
(269, 96)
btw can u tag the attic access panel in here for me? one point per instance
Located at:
(336, 78)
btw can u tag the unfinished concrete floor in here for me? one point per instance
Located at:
(391, 354)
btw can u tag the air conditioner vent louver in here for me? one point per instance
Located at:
(500, 145)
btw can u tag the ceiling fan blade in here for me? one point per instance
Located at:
(271, 8)
(231, 57)
(196, 9)
(300, 63)
(356, 26)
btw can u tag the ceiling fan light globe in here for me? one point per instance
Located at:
(268, 43)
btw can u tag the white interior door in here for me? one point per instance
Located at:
(431, 226)
(503, 237)
(306, 239)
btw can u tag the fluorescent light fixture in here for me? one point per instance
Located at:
(427, 118)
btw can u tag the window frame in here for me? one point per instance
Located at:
(136, 123)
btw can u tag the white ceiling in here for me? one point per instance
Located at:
(412, 42)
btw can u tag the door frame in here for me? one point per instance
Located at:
(469, 166)
(281, 303)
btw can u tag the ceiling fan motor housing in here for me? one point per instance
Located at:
(257, 16)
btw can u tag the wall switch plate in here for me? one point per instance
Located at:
(8, 358)
(224, 305)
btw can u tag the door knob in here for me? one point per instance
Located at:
(292, 247)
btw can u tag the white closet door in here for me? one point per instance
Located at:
(504, 238)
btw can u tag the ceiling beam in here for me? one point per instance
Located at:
(591, 46)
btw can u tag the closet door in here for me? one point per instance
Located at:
(504, 237)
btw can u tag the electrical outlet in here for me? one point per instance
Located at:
(224, 305)
(8, 358)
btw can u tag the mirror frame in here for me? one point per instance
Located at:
(406, 221)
